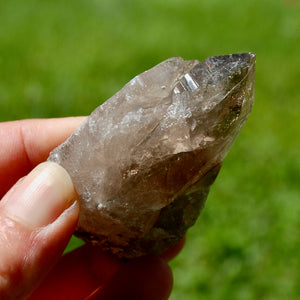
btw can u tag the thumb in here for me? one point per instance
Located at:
(37, 218)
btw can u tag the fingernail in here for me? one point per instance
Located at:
(41, 196)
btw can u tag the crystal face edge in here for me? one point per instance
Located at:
(174, 124)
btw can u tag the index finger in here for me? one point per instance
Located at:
(26, 143)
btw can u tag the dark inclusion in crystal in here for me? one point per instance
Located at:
(143, 161)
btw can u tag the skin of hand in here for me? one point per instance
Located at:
(38, 214)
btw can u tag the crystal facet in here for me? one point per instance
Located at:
(143, 162)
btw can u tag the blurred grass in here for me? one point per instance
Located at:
(60, 58)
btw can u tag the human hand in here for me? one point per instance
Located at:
(38, 215)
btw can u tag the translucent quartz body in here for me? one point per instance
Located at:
(144, 160)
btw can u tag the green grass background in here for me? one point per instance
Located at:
(62, 58)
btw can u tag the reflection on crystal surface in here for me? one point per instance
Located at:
(190, 82)
(143, 161)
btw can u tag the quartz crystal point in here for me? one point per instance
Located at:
(143, 162)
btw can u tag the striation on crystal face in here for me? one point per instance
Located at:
(143, 161)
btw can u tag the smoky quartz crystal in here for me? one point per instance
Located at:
(143, 162)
